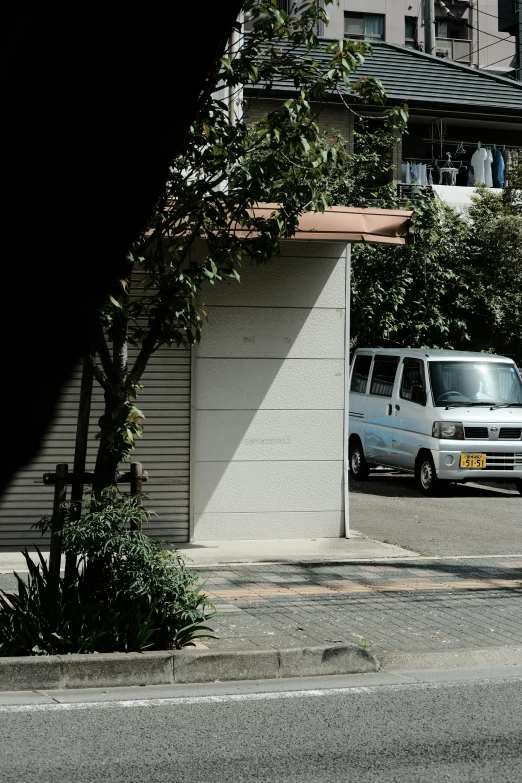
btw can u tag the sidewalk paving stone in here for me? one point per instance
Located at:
(419, 605)
(416, 605)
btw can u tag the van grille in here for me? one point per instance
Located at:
(481, 433)
(510, 433)
(476, 432)
(503, 460)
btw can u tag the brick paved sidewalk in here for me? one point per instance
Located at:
(423, 605)
(417, 605)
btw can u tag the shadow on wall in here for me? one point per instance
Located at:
(269, 391)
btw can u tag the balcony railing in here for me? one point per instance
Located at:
(454, 48)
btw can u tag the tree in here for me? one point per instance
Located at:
(458, 286)
(414, 295)
(494, 264)
(229, 166)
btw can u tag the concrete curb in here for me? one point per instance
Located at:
(111, 670)
(450, 659)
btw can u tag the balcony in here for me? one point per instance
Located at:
(457, 49)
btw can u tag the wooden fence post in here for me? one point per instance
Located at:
(136, 486)
(55, 550)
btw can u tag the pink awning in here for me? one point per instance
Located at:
(348, 224)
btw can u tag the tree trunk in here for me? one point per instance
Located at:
(109, 455)
(113, 422)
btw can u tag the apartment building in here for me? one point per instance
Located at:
(466, 32)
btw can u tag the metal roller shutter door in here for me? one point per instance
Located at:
(164, 451)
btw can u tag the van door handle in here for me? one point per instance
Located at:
(388, 410)
(397, 407)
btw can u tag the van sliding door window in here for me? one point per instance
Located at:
(360, 373)
(383, 376)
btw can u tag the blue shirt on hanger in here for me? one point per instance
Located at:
(497, 169)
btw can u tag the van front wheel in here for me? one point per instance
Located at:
(426, 475)
(359, 468)
(518, 483)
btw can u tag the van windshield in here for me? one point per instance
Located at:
(461, 383)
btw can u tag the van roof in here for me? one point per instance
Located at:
(433, 353)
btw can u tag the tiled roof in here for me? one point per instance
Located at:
(421, 79)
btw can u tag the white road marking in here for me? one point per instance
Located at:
(247, 697)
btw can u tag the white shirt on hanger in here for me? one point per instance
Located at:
(478, 161)
(488, 173)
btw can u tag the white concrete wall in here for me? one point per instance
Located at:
(268, 400)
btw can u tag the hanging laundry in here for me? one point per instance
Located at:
(448, 176)
(506, 155)
(497, 169)
(478, 161)
(488, 174)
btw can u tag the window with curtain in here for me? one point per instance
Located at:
(364, 27)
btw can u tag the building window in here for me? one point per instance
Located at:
(455, 29)
(410, 31)
(364, 27)
(453, 40)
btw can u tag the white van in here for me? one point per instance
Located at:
(442, 415)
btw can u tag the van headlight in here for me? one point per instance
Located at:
(452, 430)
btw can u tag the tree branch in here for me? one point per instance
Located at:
(148, 345)
(97, 373)
(103, 351)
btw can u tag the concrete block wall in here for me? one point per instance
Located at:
(332, 117)
(268, 400)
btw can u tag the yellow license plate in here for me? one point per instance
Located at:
(473, 461)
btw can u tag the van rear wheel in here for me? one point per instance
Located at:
(359, 469)
(426, 475)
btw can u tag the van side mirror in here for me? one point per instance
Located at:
(418, 394)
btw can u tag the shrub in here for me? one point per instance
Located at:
(129, 593)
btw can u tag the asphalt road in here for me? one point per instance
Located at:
(467, 519)
(465, 728)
